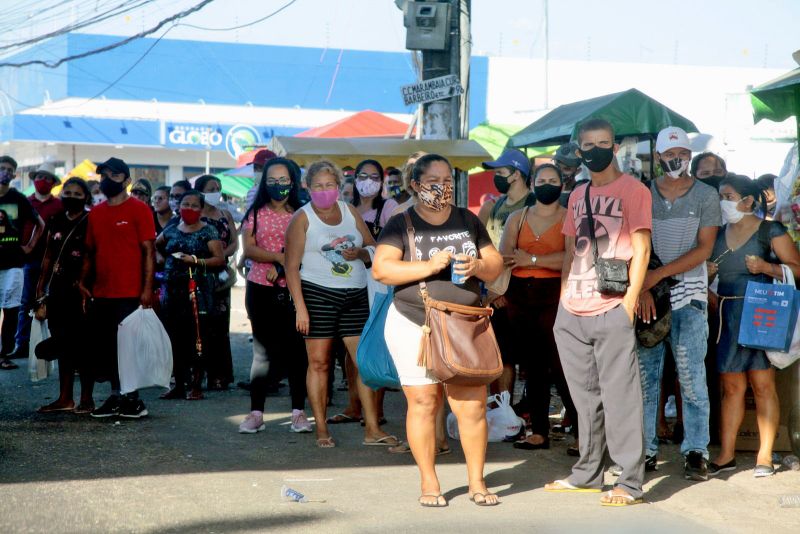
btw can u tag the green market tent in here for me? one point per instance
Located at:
(494, 138)
(778, 99)
(235, 186)
(631, 112)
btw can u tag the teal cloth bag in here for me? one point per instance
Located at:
(375, 365)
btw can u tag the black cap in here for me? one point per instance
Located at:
(566, 155)
(116, 166)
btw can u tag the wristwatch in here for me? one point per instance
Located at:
(533, 261)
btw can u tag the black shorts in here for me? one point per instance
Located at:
(335, 313)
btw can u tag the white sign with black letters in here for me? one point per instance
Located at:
(432, 90)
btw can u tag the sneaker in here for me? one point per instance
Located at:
(299, 422)
(110, 408)
(763, 471)
(695, 467)
(254, 422)
(715, 469)
(132, 408)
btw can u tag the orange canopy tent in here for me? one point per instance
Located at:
(362, 124)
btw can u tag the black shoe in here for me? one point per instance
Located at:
(651, 463)
(696, 467)
(20, 352)
(132, 409)
(110, 408)
(715, 469)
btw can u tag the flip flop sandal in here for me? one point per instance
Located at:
(53, 409)
(441, 451)
(440, 502)
(8, 365)
(402, 448)
(483, 501)
(340, 419)
(629, 500)
(382, 442)
(82, 409)
(566, 487)
(326, 443)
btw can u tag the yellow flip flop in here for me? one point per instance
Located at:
(629, 500)
(566, 487)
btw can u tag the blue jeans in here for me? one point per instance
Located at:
(31, 272)
(688, 339)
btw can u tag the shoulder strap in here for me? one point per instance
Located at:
(498, 204)
(591, 221)
(56, 263)
(412, 247)
(521, 222)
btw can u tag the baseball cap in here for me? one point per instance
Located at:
(672, 137)
(511, 158)
(566, 155)
(262, 156)
(116, 166)
(48, 170)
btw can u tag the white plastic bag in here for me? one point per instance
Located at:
(144, 352)
(779, 359)
(38, 369)
(452, 426)
(503, 422)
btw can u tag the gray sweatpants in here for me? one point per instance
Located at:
(598, 354)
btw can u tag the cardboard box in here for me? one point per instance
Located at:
(787, 384)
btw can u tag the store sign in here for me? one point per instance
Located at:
(432, 90)
(232, 139)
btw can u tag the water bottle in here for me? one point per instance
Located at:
(458, 279)
(791, 462)
(292, 495)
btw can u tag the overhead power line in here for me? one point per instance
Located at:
(161, 24)
(262, 19)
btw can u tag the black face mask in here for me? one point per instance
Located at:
(74, 205)
(597, 159)
(547, 193)
(278, 192)
(501, 183)
(712, 180)
(110, 188)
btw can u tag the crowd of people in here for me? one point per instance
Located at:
(595, 260)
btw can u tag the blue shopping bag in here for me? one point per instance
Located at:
(375, 364)
(769, 316)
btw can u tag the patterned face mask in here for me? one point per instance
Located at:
(436, 196)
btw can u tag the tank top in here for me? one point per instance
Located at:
(551, 241)
(500, 212)
(323, 263)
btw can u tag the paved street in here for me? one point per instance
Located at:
(185, 469)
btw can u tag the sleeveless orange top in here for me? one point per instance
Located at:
(552, 240)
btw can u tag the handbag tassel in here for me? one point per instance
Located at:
(422, 358)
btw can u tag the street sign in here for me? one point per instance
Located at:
(431, 90)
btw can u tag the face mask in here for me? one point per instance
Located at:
(436, 196)
(97, 199)
(394, 190)
(5, 177)
(675, 167)
(597, 159)
(213, 198)
(278, 192)
(501, 183)
(43, 186)
(730, 215)
(712, 180)
(368, 188)
(174, 204)
(73, 204)
(110, 188)
(190, 216)
(547, 193)
(324, 199)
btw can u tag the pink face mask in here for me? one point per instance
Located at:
(324, 199)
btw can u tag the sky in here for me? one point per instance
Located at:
(735, 33)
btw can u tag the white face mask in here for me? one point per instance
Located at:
(675, 168)
(213, 198)
(730, 212)
(98, 198)
(368, 188)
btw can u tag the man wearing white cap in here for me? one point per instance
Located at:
(686, 217)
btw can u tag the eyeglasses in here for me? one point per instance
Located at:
(364, 176)
(279, 181)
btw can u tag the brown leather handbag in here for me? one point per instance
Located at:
(458, 344)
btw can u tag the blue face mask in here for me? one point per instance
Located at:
(5, 177)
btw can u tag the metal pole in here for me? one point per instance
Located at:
(465, 53)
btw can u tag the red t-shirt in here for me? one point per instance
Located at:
(619, 209)
(116, 234)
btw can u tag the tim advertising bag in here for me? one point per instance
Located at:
(769, 316)
(375, 365)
